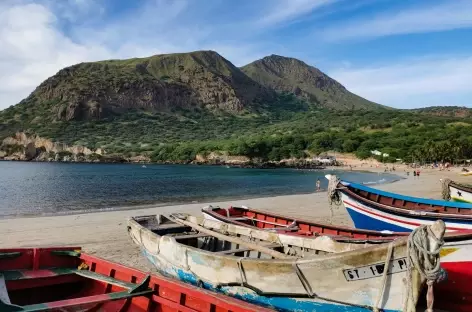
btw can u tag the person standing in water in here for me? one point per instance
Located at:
(318, 185)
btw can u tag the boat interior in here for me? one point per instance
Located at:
(227, 243)
(384, 200)
(42, 279)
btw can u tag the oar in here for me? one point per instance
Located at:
(268, 251)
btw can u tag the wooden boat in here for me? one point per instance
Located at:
(456, 191)
(64, 279)
(378, 210)
(262, 267)
(454, 294)
(257, 219)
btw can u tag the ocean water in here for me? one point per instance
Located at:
(28, 188)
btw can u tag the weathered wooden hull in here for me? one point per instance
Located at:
(333, 282)
(454, 294)
(48, 279)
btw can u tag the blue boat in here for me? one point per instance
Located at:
(373, 209)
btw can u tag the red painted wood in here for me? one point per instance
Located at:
(69, 290)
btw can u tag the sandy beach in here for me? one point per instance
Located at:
(104, 233)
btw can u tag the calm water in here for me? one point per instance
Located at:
(51, 188)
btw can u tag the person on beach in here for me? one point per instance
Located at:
(318, 185)
(414, 173)
(418, 173)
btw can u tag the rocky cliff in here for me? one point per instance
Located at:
(24, 147)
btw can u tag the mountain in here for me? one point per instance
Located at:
(285, 74)
(162, 83)
(137, 106)
(445, 111)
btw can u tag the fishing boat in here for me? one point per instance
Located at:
(456, 255)
(456, 191)
(373, 209)
(65, 279)
(269, 221)
(304, 274)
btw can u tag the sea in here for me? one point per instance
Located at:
(32, 189)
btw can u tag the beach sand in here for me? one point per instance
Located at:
(104, 233)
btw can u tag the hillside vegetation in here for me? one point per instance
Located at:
(175, 106)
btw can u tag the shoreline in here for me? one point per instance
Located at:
(202, 200)
(104, 233)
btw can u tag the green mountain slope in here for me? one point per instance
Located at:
(306, 82)
(161, 83)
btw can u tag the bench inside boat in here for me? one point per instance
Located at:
(42, 279)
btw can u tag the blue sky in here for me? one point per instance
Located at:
(404, 54)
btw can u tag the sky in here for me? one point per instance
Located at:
(404, 54)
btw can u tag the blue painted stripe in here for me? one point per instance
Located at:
(365, 222)
(282, 304)
(409, 198)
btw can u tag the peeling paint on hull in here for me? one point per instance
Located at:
(283, 304)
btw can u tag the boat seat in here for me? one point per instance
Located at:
(15, 275)
(132, 290)
(237, 250)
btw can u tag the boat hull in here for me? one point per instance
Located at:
(48, 279)
(460, 195)
(283, 304)
(366, 216)
(346, 281)
(454, 294)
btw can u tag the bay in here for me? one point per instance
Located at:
(28, 188)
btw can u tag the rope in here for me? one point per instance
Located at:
(333, 195)
(424, 261)
(446, 192)
(384, 277)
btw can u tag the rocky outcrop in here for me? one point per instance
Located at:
(24, 147)
(221, 158)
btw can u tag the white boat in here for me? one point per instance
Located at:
(288, 273)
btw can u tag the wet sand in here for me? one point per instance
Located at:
(104, 233)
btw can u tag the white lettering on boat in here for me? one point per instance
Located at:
(375, 270)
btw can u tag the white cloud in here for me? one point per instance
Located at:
(34, 46)
(284, 10)
(413, 83)
(33, 49)
(441, 17)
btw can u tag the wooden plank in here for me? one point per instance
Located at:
(235, 250)
(235, 240)
(189, 236)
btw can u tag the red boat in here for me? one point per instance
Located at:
(455, 294)
(250, 217)
(64, 279)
